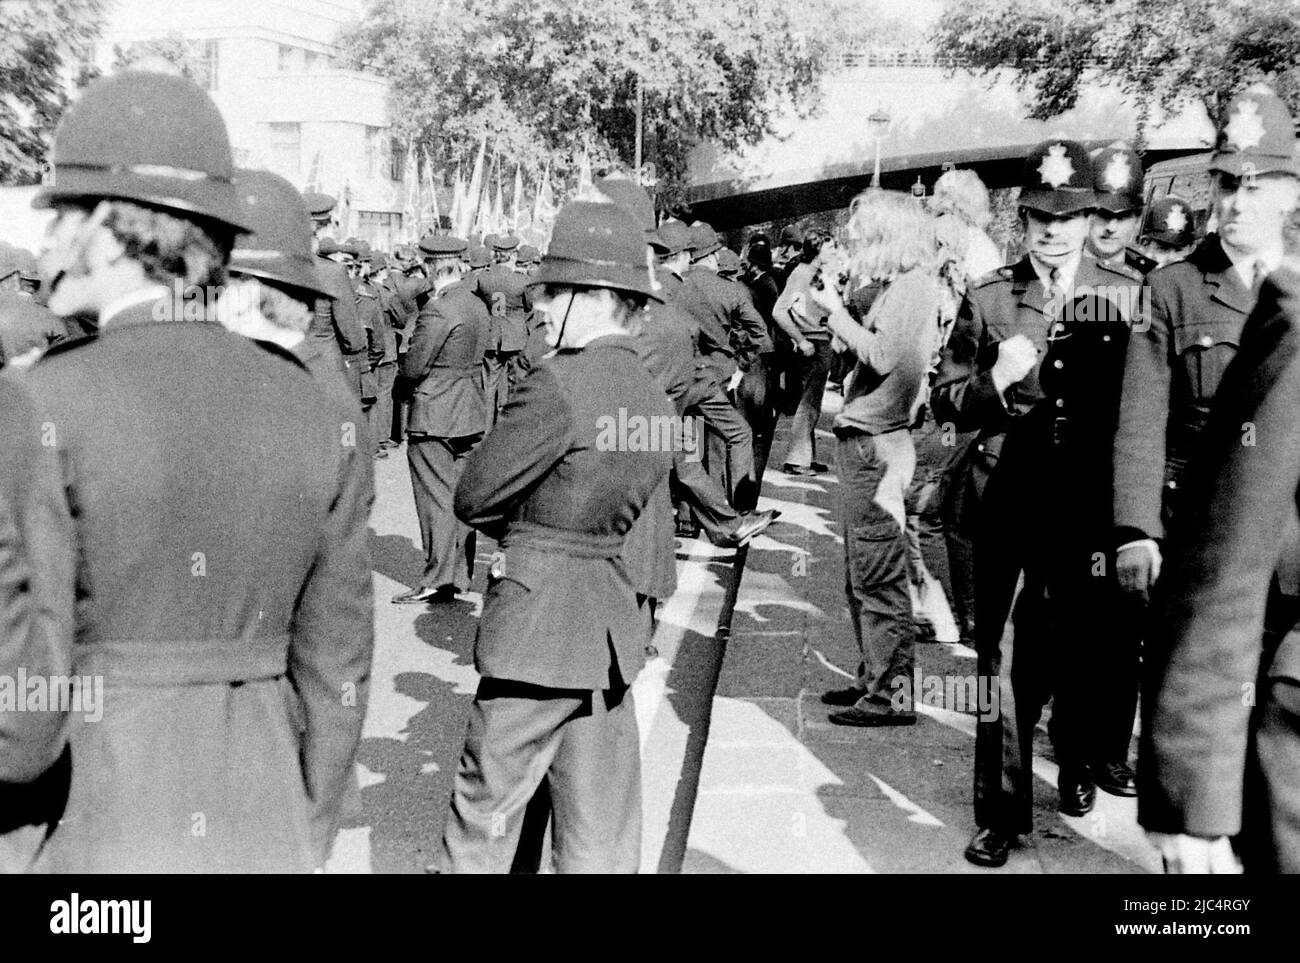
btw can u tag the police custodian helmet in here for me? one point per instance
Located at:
(1058, 179)
(279, 248)
(599, 246)
(155, 139)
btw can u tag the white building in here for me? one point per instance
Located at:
(270, 66)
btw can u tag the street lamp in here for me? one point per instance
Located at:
(879, 121)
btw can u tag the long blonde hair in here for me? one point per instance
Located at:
(889, 233)
(961, 192)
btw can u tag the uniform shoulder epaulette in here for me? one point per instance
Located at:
(1123, 270)
(1005, 273)
(69, 344)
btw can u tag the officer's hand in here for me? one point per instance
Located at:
(1137, 567)
(1016, 358)
(807, 348)
(1192, 854)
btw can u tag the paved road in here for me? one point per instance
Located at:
(742, 771)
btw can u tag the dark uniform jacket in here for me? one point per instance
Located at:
(24, 325)
(444, 363)
(337, 320)
(34, 639)
(1226, 627)
(397, 295)
(556, 486)
(1008, 302)
(668, 352)
(202, 521)
(730, 331)
(505, 294)
(1196, 310)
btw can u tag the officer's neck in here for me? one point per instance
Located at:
(1065, 269)
(124, 285)
(444, 281)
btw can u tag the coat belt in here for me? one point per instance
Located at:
(190, 662)
(563, 541)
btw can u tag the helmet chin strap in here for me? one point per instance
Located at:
(76, 251)
(559, 341)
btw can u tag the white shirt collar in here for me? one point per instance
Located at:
(1066, 276)
(143, 295)
(1244, 264)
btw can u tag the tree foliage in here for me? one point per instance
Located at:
(1163, 53)
(548, 79)
(172, 53)
(45, 45)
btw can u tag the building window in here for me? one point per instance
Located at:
(397, 161)
(374, 151)
(381, 229)
(284, 61)
(286, 149)
(206, 73)
(310, 59)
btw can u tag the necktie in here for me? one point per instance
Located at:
(1261, 272)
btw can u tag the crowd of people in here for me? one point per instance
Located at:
(199, 376)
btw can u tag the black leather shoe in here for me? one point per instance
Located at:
(988, 847)
(424, 596)
(1078, 792)
(869, 715)
(818, 468)
(749, 526)
(845, 697)
(799, 470)
(1116, 778)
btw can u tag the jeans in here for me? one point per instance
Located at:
(874, 472)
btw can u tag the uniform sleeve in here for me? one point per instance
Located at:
(532, 435)
(37, 574)
(1243, 497)
(749, 330)
(373, 320)
(347, 320)
(432, 329)
(332, 642)
(1139, 451)
(964, 393)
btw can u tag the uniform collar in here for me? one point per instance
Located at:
(1068, 271)
(114, 309)
(1243, 265)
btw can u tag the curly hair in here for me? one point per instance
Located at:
(889, 233)
(962, 193)
(170, 248)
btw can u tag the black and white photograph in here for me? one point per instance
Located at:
(651, 437)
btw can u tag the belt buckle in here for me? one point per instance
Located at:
(1060, 430)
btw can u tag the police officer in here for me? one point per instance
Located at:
(1117, 182)
(504, 291)
(562, 636)
(204, 527)
(381, 356)
(730, 334)
(991, 381)
(336, 319)
(449, 412)
(1196, 308)
(1168, 231)
(1218, 770)
(26, 327)
(528, 260)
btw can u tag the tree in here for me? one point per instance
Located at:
(1164, 53)
(45, 47)
(548, 79)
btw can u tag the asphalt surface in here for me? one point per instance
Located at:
(742, 771)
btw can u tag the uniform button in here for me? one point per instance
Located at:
(1206, 341)
(1105, 337)
(1058, 364)
(1172, 484)
(980, 446)
(1060, 402)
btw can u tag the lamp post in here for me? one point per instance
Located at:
(879, 121)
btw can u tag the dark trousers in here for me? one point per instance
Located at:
(584, 744)
(874, 472)
(1066, 642)
(381, 413)
(729, 452)
(812, 372)
(701, 493)
(436, 465)
(756, 398)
